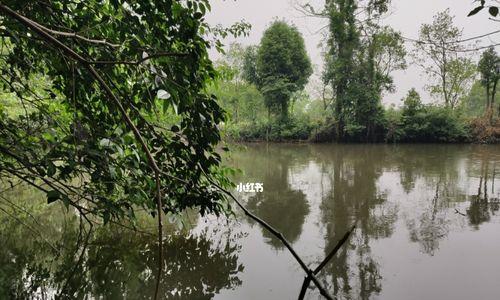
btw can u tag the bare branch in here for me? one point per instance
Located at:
(146, 58)
(307, 279)
(76, 36)
(279, 236)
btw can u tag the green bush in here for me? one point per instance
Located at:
(293, 129)
(433, 124)
(394, 131)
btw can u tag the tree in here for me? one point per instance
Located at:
(124, 121)
(339, 65)
(437, 53)
(381, 52)
(412, 103)
(361, 55)
(460, 75)
(111, 87)
(282, 66)
(250, 65)
(489, 68)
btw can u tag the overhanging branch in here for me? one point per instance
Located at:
(39, 30)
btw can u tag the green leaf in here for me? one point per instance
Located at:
(105, 142)
(51, 169)
(475, 11)
(106, 217)
(65, 200)
(53, 196)
(493, 11)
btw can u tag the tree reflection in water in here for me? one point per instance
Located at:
(116, 263)
(416, 198)
(352, 196)
(431, 178)
(279, 205)
(440, 168)
(484, 204)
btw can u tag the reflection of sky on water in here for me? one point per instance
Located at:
(423, 232)
(427, 222)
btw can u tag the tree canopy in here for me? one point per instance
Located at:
(282, 65)
(123, 120)
(489, 68)
(438, 53)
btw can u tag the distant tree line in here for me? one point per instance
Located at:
(360, 56)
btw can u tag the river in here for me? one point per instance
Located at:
(427, 217)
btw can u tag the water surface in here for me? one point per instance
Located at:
(426, 215)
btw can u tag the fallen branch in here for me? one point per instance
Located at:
(332, 253)
(460, 213)
(279, 236)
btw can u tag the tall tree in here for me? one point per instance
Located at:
(437, 52)
(342, 42)
(489, 68)
(250, 64)
(282, 66)
(381, 52)
(361, 55)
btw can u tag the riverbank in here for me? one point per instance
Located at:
(438, 129)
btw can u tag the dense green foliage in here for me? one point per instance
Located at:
(489, 67)
(417, 122)
(360, 58)
(313, 119)
(282, 66)
(69, 136)
(246, 105)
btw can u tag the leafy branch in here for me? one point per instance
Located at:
(492, 9)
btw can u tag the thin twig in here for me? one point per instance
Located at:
(137, 62)
(77, 36)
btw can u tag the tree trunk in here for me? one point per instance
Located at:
(493, 93)
(443, 76)
(487, 96)
(268, 123)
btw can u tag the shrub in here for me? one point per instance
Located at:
(434, 124)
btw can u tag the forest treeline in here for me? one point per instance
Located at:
(263, 87)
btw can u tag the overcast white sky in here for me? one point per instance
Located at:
(406, 16)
